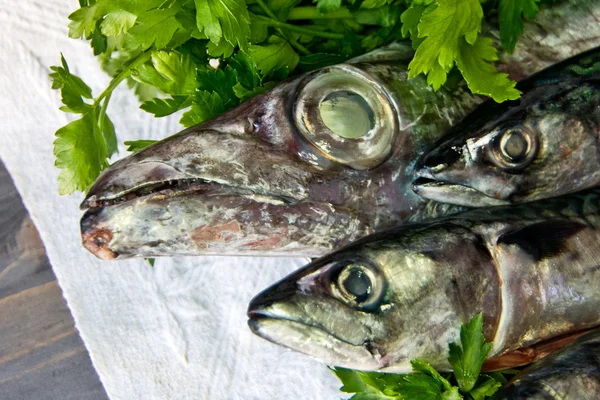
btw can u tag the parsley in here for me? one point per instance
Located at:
(161, 48)
(135, 145)
(426, 383)
(511, 24)
(448, 34)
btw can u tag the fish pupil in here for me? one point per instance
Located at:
(514, 146)
(358, 284)
(347, 114)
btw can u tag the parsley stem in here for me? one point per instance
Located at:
(360, 16)
(308, 12)
(299, 29)
(142, 58)
(289, 38)
(102, 112)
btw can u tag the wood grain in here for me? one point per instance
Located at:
(41, 353)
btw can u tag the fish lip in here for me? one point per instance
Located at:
(175, 187)
(453, 193)
(255, 316)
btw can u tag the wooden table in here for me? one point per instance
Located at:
(41, 353)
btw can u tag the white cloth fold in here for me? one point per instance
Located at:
(175, 331)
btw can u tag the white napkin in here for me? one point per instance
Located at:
(175, 331)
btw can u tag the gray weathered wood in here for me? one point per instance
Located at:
(41, 353)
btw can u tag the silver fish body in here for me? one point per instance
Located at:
(402, 294)
(319, 161)
(545, 144)
(572, 372)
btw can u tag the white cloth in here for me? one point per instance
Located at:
(175, 331)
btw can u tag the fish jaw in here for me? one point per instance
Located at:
(194, 222)
(454, 194)
(335, 352)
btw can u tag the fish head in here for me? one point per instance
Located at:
(268, 174)
(382, 301)
(544, 145)
(316, 162)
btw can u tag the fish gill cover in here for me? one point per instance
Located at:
(161, 49)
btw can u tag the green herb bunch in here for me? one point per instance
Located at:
(426, 383)
(162, 48)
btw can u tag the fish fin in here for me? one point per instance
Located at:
(543, 239)
(528, 355)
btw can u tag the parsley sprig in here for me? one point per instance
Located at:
(426, 383)
(162, 48)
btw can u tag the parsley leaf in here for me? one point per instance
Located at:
(163, 107)
(83, 21)
(486, 387)
(277, 53)
(228, 19)
(511, 24)
(443, 29)
(80, 157)
(72, 89)
(220, 81)
(326, 6)
(153, 28)
(178, 69)
(135, 145)
(170, 72)
(467, 360)
(206, 105)
(117, 22)
(473, 62)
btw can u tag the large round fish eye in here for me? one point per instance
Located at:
(358, 283)
(355, 283)
(347, 116)
(514, 148)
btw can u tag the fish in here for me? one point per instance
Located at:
(572, 372)
(545, 144)
(531, 269)
(321, 160)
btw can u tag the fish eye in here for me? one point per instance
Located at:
(358, 284)
(347, 116)
(514, 148)
(355, 283)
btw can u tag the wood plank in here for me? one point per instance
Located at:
(41, 353)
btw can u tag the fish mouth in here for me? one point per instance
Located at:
(174, 187)
(151, 204)
(452, 193)
(313, 341)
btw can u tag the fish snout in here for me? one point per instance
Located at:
(437, 160)
(96, 239)
(261, 303)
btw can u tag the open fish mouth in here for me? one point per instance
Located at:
(452, 193)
